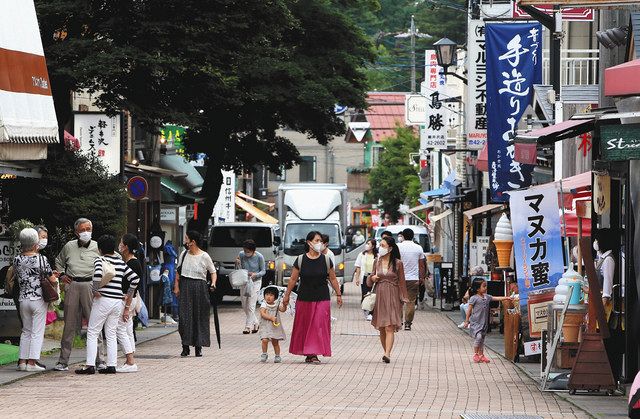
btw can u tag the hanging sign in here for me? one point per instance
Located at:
(476, 110)
(514, 65)
(601, 193)
(620, 142)
(433, 134)
(99, 134)
(225, 208)
(359, 129)
(415, 110)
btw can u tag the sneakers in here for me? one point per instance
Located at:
(366, 313)
(277, 359)
(476, 358)
(484, 359)
(88, 370)
(102, 366)
(34, 368)
(407, 326)
(127, 368)
(461, 326)
(264, 357)
(369, 317)
(21, 367)
(61, 367)
(107, 370)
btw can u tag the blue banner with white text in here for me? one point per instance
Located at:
(514, 65)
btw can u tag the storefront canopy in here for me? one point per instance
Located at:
(435, 193)
(549, 135)
(422, 207)
(440, 216)
(482, 163)
(174, 192)
(489, 209)
(623, 79)
(193, 180)
(256, 212)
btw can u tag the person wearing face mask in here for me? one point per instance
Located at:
(311, 334)
(391, 294)
(75, 261)
(364, 267)
(325, 249)
(43, 236)
(254, 263)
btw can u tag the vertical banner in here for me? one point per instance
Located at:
(225, 208)
(514, 65)
(537, 249)
(434, 132)
(100, 134)
(477, 87)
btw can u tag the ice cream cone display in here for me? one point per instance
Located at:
(503, 240)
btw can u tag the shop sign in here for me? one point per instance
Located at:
(225, 208)
(7, 252)
(477, 86)
(533, 347)
(601, 193)
(99, 134)
(168, 214)
(514, 65)
(173, 136)
(537, 239)
(433, 133)
(568, 13)
(620, 142)
(483, 246)
(415, 110)
(375, 218)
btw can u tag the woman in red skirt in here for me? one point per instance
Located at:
(311, 334)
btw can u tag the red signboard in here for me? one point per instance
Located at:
(568, 13)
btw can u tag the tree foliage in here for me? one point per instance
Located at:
(233, 71)
(394, 180)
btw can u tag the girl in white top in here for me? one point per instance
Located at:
(190, 286)
(364, 266)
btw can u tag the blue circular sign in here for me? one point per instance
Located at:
(137, 188)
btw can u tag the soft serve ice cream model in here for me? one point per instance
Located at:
(503, 240)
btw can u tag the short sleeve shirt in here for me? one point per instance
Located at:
(313, 279)
(195, 266)
(27, 271)
(479, 319)
(410, 254)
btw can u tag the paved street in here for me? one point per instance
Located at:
(431, 375)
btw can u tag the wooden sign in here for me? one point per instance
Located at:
(620, 142)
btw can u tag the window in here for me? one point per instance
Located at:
(375, 154)
(281, 176)
(308, 169)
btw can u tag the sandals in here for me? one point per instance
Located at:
(312, 359)
(255, 329)
(246, 331)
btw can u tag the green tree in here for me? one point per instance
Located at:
(234, 72)
(394, 180)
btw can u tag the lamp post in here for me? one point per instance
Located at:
(446, 56)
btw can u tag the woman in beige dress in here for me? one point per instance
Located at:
(391, 294)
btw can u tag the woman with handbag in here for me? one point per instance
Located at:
(191, 287)
(31, 270)
(311, 334)
(364, 267)
(387, 280)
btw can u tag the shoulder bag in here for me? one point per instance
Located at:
(108, 272)
(11, 286)
(369, 300)
(49, 291)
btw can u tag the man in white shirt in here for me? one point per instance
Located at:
(414, 263)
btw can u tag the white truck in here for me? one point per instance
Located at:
(303, 207)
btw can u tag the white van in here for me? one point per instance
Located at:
(421, 234)
(225, 242)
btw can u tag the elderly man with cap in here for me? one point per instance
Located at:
(76, 262)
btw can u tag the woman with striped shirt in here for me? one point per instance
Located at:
(109, 304)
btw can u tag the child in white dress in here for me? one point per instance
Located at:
(270, 324)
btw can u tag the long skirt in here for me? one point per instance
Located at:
(311, 334)
(193, 324)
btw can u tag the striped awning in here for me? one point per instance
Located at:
(30, 139)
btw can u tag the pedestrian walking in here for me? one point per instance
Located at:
(76, 263)
(391, 293)
(478, 317)
(271, 329)
(128, 247)
(364, 267)
(415, 269)
(110, 305)
(192, 272)
(253, 262)
(29, 268)
(311, 334)
(326, 251)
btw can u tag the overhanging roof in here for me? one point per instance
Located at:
(434, 193)
(442, 215)
(422, 207)
(485, 209)
(623, 79)
(256, 212)
(556, 132)
(192, 179)
(153, 170)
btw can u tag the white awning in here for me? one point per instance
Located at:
(442, 215)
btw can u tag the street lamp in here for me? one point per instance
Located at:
(445, 54)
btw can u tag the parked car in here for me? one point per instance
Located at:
(225, 242)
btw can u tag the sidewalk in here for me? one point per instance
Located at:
(51, 348)
(598, 405)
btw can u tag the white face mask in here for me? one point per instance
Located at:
(368, 247)
(596, 246)
(42, 244)
(400, 239)
(318, 247)
(121, 248)
(383, 251)
(85, 236)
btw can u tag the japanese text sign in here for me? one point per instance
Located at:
(434, 133)
(477, 87)
(537, 240)
(100, 134)
(514, 65)
(225, 208)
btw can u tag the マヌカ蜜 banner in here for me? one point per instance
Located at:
(514, 65)
(27, 114)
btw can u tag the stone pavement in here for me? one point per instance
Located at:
(431, 375)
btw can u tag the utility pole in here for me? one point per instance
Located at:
(413, 55)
